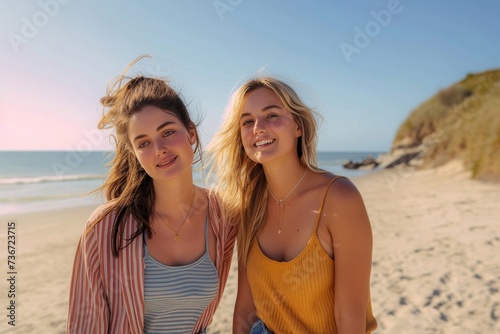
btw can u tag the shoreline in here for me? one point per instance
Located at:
(434, 269)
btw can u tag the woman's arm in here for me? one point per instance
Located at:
(244, 309)
(352, 243)
(88, 311)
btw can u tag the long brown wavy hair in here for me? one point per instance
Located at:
(128, 188)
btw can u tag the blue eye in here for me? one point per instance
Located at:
(168, 133)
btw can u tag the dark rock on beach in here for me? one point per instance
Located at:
(365, 163)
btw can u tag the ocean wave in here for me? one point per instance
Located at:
(44, 179)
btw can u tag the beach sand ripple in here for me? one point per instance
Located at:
(435, 267)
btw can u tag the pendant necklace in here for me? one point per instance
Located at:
(177, 235)
(281, 202)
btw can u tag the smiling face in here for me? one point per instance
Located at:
(268, 130)
(161, 143)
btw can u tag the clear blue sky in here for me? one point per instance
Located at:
(58, 56)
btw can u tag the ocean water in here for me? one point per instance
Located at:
(44, 180)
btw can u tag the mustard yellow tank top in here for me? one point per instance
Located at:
(297, 296)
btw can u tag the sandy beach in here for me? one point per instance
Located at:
(435, 270)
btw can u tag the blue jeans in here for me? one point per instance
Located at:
(259, 327)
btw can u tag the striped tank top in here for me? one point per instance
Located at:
(176, 296)
(297, 296)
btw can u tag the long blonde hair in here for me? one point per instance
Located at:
(240, 181)
(128, 187)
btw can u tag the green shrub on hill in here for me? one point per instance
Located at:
(461, 121)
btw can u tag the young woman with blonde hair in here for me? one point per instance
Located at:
(156, 256)
(304, 237)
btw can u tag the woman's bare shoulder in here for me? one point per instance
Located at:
(334, 184)
(342, 195)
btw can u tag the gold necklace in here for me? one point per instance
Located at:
(177, 235)
(280, 202)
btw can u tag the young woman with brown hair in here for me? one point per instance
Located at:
(156, 256)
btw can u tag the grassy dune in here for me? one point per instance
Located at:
(461, 121)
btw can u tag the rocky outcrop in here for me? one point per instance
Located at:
(401, 155)
(460, 122)
(368, 163)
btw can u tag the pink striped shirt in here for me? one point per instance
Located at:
(107, 292)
